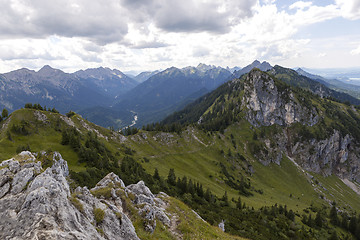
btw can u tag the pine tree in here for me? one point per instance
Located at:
(4, 113)
(353, 224)
(171, 177)
(334, 219)
(310, 222)
(156, 175)
(238, 203)
(207, 194)
(344, 222)
(318, 220)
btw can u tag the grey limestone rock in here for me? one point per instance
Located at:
(39, 205)
(267, 105)
(150, 207)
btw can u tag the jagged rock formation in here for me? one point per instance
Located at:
(268, 105)
(38, 204)
(334, 155)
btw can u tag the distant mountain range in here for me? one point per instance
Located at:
(50, 87)
(334, 84)
(164, 92)
(109, 97)
(109, 82)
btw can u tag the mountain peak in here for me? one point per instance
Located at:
(46, 70)
(204, 67)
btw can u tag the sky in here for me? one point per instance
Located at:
(141, 35)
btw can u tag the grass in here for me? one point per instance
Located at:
(197, 158)
(191, 227)
(73, 199)
(284, 184)
(99, 215)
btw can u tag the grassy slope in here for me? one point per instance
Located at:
(197, 158)
(284, 184)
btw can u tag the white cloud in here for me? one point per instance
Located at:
(154, 34)
(355, 51)
(349, 8)
(300, 5)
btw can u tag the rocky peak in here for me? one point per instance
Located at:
(267, 104)
(203, 67)
(48, 71)
(37, 203)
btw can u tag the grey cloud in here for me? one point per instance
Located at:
(98, 21)
(105, 22)
(191, 15)
(154, 44)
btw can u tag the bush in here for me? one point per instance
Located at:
(76, 203)
(99, 215)
(70, 114)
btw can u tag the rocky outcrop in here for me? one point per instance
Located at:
(268, 102)
(150, 207)
(267, 105)
(336, 154)
(38, 204)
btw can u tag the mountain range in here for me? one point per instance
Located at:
(257, 157)
(112, 99)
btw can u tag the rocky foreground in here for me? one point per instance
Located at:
(37, 203)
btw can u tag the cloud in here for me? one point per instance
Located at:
(102, 23)
(300, 5)
(349, 8)
(191, 15)
(153, 34)
(355, 51)
(149, 44)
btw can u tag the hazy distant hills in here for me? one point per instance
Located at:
(109, 97)
(335, 84)
(142, 77)
(318, 87)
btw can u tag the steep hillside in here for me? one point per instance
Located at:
(302, 124)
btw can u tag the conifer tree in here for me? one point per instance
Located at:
(4, 113)
(171, 177)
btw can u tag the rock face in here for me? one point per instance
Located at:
(267, 105)
(38, 204)
(335, 155)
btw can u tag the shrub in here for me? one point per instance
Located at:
(76, 203)
(104, 192)
(99, 215)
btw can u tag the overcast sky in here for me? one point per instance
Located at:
(155, 34)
